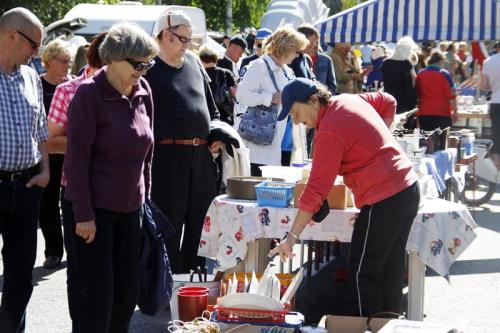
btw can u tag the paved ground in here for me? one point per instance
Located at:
(470, 301)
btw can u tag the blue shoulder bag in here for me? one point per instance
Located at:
(258, 123)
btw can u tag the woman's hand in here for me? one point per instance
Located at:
(86, 230)
(215, 146)
(276, 98)
(284, 249)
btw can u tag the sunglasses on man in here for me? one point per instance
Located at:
(34, 45)
(139, 65)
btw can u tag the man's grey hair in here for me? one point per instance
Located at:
(127, 41)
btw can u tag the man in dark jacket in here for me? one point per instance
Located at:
(321, 64)
(184, 174)
(262, 34)
(235, 50)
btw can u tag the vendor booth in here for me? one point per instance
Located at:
(389, 20)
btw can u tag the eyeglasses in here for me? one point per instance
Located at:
(259, 45)
(182, 39)
(139, 65)
(34, 45)
(64, 61)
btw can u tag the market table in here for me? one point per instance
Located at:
(473, 116)
(479, 111)
(441, 231)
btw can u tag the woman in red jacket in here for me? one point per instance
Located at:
(352, 140)
(436, 95)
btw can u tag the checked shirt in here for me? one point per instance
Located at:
(23, 124)
(58, 113)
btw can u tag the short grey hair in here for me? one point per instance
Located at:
(127, 41)
(207, 54)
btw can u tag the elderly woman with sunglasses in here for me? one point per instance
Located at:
(108, 168)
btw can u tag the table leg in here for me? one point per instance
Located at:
(416, 283)
(302, 246)
(309, 257)
(256, 259)
(317, 255)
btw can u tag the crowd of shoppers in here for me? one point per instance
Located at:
(135, 124)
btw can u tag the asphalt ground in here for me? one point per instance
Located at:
(471, 301)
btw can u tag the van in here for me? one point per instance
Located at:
(100, 17)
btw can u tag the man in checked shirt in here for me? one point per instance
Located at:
(24, 166)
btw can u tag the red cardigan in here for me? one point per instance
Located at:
(434, 91)
(352, 140)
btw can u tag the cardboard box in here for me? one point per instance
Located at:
(337, 198)
(409, 326)
(345, 324)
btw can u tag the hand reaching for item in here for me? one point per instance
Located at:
(284, 249)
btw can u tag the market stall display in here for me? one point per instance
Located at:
(441, 232)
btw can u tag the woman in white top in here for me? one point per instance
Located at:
(256, 88)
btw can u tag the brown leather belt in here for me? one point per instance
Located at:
(188, 142)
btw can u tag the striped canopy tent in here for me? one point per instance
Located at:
(423, 20)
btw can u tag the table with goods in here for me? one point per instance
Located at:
(257, 209)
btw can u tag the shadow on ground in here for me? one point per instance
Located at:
(143, 323)
(40, 274)
(321, 294)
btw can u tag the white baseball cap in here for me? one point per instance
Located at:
(169, 19)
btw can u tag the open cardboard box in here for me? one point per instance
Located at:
(346, 324)
(337, 198)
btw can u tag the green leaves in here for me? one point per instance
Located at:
(246, 13)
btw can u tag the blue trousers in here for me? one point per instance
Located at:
(19, 209)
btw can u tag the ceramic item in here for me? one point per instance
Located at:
(251, 302)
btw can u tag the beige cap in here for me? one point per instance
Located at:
(171, 19)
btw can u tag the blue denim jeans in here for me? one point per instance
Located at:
(19, 209)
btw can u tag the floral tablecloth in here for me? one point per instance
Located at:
(441, 231)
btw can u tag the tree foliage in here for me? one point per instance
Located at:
(246, 13)
(49, 11)
(339, 5)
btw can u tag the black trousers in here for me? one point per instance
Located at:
(109, 270)
(19, 207)
(73, 278)
(183, 186)
(377, 259)
(495, 127)
(430, 123)
(50, 219)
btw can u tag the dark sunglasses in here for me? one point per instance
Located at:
(34, 45)
(182, 39)
(139, 65)
(259, 45)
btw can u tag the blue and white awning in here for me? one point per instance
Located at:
(389, 20)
